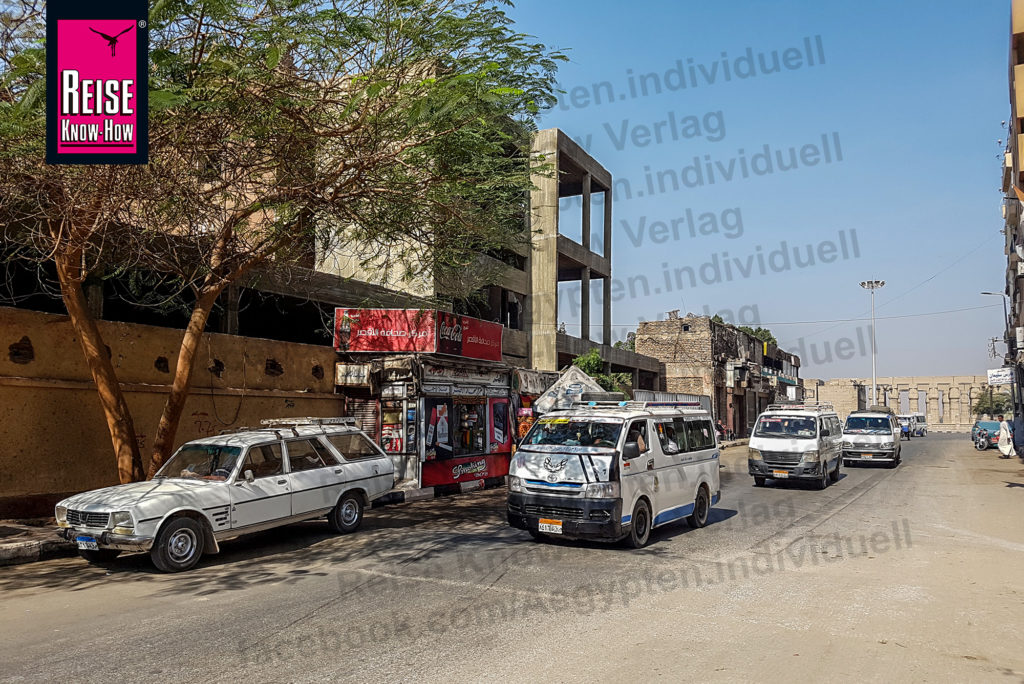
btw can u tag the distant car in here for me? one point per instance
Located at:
(985, 433)
(222, 487)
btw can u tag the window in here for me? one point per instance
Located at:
(671, 443)
(699, 435)
(638, 433)
(353, 446)
(264, 460)
(307, 454)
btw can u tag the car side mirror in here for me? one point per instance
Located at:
(630, 451)
(248, 476)
(825, 433)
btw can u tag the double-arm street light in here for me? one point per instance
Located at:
(873, 285)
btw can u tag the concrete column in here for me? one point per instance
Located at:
(543, 302)
(585, 301)
(586, 212)
(608, 224)
(606, 311)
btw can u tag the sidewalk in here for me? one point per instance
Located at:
(25, 543)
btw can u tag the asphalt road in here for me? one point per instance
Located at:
(912, 573)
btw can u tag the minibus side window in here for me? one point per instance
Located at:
(638, 433)
(670, 441)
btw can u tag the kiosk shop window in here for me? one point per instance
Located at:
(470, 426)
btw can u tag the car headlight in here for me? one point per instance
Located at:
(810, 457)
(515, 484)
(847, 445)
(888, 445)
(602, 490)
(122, 521)
(753, 454)
(61, 514)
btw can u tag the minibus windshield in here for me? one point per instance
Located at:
(868, 425)
(786, 426)
(586, 432)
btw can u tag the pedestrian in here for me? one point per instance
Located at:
(1006, 449)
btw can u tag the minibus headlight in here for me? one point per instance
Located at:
(810, 457)
(753, 454)
(888, 445)
(602, 490)
(515, 484)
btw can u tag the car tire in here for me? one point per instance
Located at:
(701, 508)
(759, 481)
(179, 546)
(347, 514)
(822, 481)
(640, 525)
(99, 555)
(834, 475)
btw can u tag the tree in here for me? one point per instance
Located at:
(993, 404)
(628, 343)
(593, 365)
(278, 128)
(763, 334)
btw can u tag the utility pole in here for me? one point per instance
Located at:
(872, 285)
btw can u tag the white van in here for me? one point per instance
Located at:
(796, 442)
(922, 425)
(872, 436)
(615, 470)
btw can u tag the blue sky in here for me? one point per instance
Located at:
(915, 92)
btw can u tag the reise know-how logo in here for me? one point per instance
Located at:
(96, 82)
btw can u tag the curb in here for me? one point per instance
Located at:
(18, 552)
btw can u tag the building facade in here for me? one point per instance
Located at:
(741, 373)
(1013, 195)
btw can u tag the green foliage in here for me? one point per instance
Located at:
(628, 343)
(993, 403)
(763, 334)
(592, 364)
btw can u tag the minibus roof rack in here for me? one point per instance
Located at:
(803, 406)
(638, 405)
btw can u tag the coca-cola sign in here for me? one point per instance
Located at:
(416, 330)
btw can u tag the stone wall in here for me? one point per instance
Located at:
(53, 436)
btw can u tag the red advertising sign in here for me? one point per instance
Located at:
(385, 330)
(416, 330)
(455, 470)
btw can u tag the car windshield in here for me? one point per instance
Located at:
(572, 432)
(202, 461)
(988, 424)
(867, 425)
(786, 426)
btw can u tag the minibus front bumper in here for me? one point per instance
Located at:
(580, 518)
(784, 471)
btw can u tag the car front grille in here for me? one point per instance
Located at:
(88, 519)
(554, 511)
(780, 457)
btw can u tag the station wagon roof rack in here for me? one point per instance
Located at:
(806, 405)
(308, 420)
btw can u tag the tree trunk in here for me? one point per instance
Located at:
(115, 408)
(175, 403)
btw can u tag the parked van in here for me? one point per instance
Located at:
(796, 442)
(872, 436)
(615, 470)
(922, 425)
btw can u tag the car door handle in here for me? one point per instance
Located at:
(285, 481)
(650, 464)
(337, 471)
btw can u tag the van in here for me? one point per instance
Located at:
(614, 471)
(872, 436)
(796, 442)
(922, 425)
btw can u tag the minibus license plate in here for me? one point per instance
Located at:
(549, 526)
(867, 455)
(87, 543)
(780, 473)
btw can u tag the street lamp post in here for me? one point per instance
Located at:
(872, 285)
(1006, 316)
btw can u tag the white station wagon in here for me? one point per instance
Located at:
(222, 487)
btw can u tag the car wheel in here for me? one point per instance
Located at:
(834, 475)
(640, 527)
(99, 555)
(701, 506)
(179, 545)
(347, 515)
(822, 482)
(759, 481)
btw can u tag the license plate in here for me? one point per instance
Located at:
(87, 543)
(780, 473)
(867, 456)
(549, 526)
